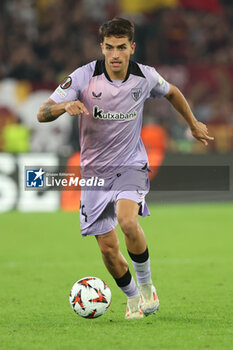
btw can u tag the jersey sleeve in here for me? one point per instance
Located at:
(72, 86)
(158, 86)
(68, 90)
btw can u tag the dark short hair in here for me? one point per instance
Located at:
(117, 27)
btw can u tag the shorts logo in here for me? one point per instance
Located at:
(65, 84)
(96, 95)
(35, 178)
(100, 114)
(136, 93)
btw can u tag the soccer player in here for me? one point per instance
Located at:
(108, 96)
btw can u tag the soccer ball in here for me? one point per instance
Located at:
(90, 297)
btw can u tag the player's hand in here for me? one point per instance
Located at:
(200, 132)
(75, 108)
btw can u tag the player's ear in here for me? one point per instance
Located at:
(133, 46)
(102, 47)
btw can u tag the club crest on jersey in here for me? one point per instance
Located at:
(136, 93)
(65, 84)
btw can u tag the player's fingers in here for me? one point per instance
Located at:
(83, 108)
(204, 128)
(204, 136)
(204, 142)
(76, 108)
(207, 137)
(69, 110)
(72, 110)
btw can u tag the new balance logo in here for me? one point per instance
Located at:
(100, 114)
(96, 95)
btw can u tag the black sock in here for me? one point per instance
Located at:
(124, 280)
(140, 258)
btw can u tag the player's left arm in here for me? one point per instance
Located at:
(179, 102)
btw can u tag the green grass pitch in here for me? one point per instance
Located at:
(42, 255)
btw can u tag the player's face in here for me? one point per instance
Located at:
(117, 52)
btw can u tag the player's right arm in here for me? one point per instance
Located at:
(51, 110)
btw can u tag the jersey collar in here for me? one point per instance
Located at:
(133, 68)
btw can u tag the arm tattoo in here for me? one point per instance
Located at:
(47, 113)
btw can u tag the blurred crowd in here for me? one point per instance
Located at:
(44, 40)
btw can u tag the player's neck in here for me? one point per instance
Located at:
(116, 75)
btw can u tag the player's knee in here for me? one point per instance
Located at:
(110, 251)
(128, 225)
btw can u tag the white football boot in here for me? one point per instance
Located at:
(150, 301)
(133, 308)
